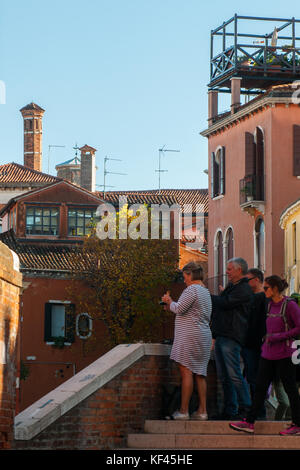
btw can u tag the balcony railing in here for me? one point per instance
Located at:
(250, 47)
(252, 188)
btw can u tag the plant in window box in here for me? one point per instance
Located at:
(59, 342)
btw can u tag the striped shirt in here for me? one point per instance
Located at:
(192, 337)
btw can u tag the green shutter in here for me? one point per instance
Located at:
(70, 323)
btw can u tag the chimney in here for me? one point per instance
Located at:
(88, 168)
(32, 116)
(212, 106)
(235, 93)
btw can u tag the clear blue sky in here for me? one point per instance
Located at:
(124, 76)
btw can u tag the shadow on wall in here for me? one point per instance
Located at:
(8, 373)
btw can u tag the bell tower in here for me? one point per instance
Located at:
(32, 116)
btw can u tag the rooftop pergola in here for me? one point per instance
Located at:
(260, 59)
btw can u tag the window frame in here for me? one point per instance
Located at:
(76, 209)
(43, 208)
(218, 176)
(70, 309)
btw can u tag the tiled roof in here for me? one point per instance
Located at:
(48, 257)
(31, 106)
(137, 197)
(16, 173)
(164, 196)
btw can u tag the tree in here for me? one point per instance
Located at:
(125, 278)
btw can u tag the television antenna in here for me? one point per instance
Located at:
(49, 149)
(106, 172)
(161, 151)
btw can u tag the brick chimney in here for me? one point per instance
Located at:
(32, 115)
(88, 168)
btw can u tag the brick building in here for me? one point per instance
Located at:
(44, 227)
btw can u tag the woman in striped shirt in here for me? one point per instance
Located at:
(192, 339)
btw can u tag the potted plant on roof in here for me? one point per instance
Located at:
(287, 47)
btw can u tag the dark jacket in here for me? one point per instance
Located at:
(257, 322)
(231, 311)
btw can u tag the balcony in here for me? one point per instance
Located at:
(252, 193)
(254, 50)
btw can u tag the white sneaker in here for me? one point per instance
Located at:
(178, 415)
(199, 416)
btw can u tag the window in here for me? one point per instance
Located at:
(218, 172)
(84, 325)
(219, 262)
(254, 165)
(42, 220)
(80, 221)
(59, 321)
(229, 244)
(296, 150)
(294, 242)
(260, 244)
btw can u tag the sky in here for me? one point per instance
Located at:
(124, 76)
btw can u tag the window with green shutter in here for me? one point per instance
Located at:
(59, 322)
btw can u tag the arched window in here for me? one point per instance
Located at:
(260, 244)
(254, 164)
(219, 261)
(218, 172)
(229, 244)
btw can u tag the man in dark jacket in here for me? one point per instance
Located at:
(230, 317)
(256, 331)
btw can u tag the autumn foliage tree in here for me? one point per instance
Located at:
(125, 278)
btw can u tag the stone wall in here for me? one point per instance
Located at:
(10, 285)
(104, 418)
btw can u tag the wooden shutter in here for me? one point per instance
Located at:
(259, 152)
(260, 155)
(296, 150)
(212, 167)
(70, 323)
(48, 322)
(222, 171)
(250, 154)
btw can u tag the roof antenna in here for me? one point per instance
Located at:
(76, 148)
(159, 171)
(49, 148)
(108, 172)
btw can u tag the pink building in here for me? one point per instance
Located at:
(254, 155)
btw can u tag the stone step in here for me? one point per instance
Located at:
(208, 427)
(213, 441)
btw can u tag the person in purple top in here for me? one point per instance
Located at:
(276, 355)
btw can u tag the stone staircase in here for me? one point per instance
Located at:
(211, 435)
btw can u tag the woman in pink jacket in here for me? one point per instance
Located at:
(283, 325)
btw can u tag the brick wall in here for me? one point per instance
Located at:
(105, 418)
(10, 284)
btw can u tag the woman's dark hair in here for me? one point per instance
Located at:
(276, 281)
(195, 270)
(257, 273)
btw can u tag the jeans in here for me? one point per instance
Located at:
(266, 373)
(235, 388)
(283, 409)
(251, 359)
